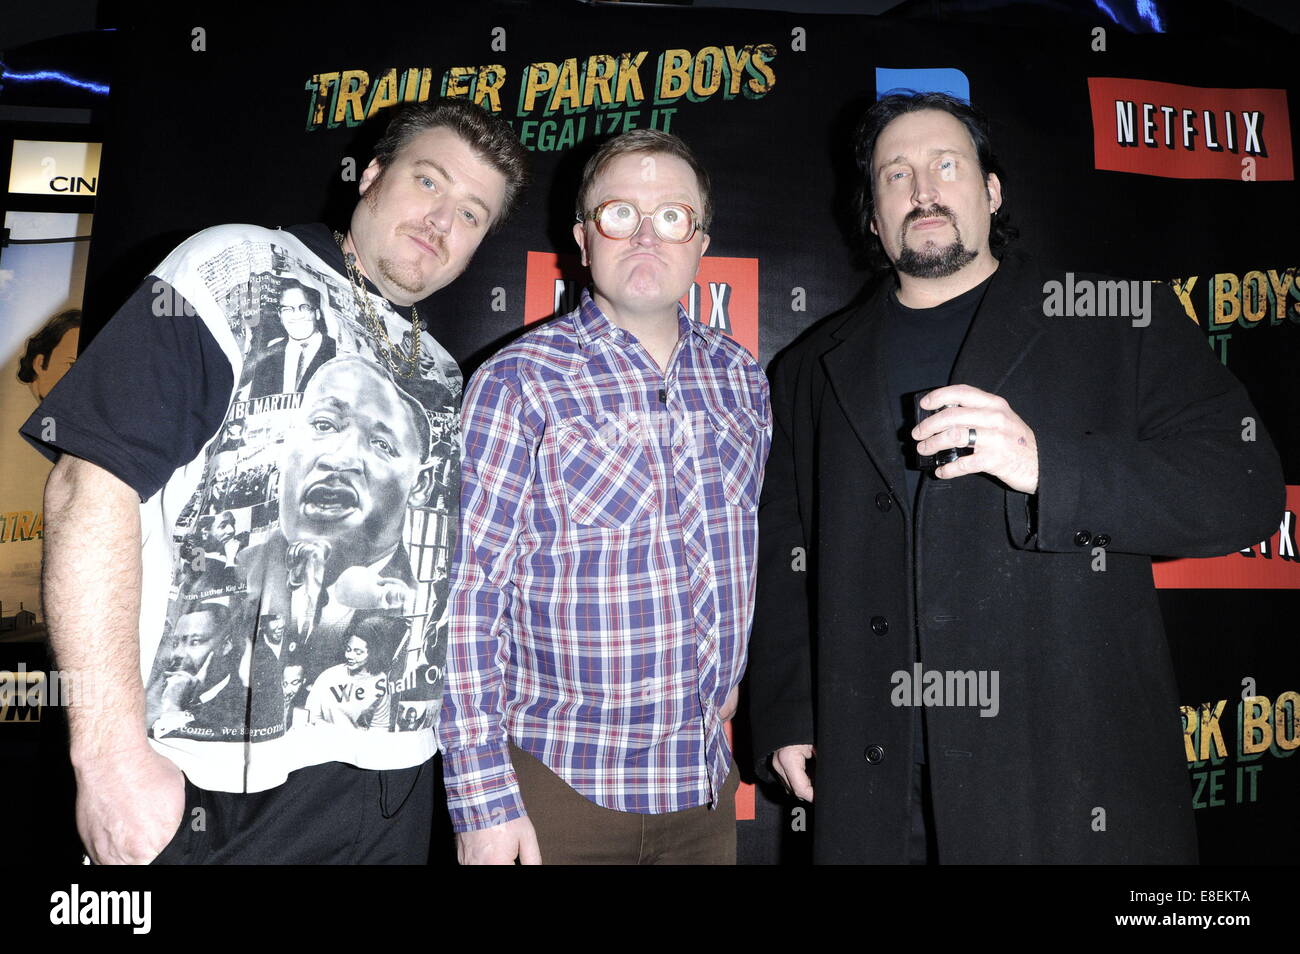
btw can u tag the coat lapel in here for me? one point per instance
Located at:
(1005, 327)
(855, 368)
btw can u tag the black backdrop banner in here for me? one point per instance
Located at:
(1147, 157)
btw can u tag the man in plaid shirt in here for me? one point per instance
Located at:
(603, 589)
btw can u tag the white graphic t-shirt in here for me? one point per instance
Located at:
(295, 569)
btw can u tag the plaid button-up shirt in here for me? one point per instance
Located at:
(603, 588)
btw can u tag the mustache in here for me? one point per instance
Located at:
(933, 211)
(433, 239)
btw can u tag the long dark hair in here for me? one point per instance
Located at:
(884, 111)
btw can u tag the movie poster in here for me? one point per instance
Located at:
(42, 273)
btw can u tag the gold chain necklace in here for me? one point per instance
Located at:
(389, 352)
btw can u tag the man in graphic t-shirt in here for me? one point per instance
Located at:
(171, 430)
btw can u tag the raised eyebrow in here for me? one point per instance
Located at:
(452, 179)
(933, 153)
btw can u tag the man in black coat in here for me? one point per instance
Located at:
(974, 654)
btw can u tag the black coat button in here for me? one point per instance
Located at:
(1082, 538)
(875, 754)
(883, 503)
(1102, 539)
(879, 625)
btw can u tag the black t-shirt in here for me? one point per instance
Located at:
(157, 390)
(921, 348)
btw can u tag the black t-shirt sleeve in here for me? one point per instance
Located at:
(144, 398)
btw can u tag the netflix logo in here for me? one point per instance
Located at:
(1272, 564)
(1189, 132)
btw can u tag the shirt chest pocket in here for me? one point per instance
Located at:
(605, 471)
(737, 435)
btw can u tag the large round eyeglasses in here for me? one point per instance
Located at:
(674, 222)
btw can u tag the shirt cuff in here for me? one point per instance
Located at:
(482, 791)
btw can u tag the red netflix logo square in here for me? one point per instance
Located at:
(1190, 132)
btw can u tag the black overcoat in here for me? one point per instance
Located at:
(1140, 435)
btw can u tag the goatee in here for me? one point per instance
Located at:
(932, 261)
(935, 262)
(389, 270)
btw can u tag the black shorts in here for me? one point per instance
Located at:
(332, 814)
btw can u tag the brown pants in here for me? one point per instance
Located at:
(571, 830)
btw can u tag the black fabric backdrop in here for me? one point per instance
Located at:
(225, 133)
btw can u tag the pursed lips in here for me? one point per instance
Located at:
(649, 255)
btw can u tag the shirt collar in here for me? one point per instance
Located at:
(592, 324)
